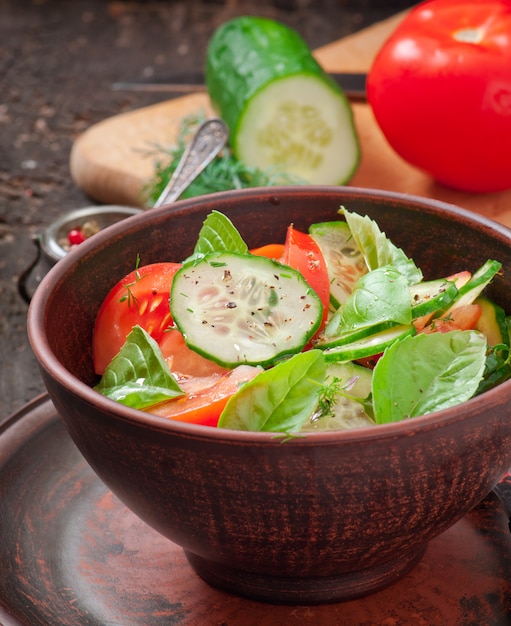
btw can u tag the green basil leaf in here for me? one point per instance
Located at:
(280, 399)
(217, 234)
(377, 249)
(426, 373)
(138, 376)
(379, 296)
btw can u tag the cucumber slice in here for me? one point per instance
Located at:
(471, 290)
(283, 111)
(369, 346)
(344, 260)
(235, 309)
(492, 322)
(430, 296)
(345, 413)
(326, 340)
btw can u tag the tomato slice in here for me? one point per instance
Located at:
(460, 318)
(302, 253)
(205, 399)
(141, 297)
(183, 361)
(271, 251)
(460, 278)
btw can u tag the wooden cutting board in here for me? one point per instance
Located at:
(112, 160)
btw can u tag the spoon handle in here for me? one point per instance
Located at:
(207, 142)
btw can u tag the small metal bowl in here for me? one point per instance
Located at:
(58, 230)
(49, 250)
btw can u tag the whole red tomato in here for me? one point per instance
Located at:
(440, 89)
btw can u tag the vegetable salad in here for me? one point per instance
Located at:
(334, 328)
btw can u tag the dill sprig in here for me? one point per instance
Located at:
(223, 173)
(329, 394)
(327, 397)
(129, 296)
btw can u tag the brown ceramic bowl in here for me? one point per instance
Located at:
(323, 518)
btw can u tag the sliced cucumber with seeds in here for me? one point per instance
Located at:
(235, 308)
(369, 346)
(282, 109)
(345, 263)
(344, 413)
(492, 322)
(471, 290)
(430, 296)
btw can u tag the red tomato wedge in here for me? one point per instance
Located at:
(205, 398)
(182, 360)
(302, 253)
(461, 318)
(460, 278)
(141, 297)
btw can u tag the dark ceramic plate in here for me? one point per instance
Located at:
(72, 554)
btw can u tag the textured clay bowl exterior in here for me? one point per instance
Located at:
(323, 518)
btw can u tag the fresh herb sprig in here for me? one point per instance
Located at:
(329, 395)
(223, 173)
(129, 296)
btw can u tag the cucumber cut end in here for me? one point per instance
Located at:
(301, 126)
(242, 309)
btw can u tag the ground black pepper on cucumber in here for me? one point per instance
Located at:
(283, 111)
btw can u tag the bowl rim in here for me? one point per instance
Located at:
(48, 361)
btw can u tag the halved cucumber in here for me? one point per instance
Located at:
(283, 111)
(235, 308)
(344, 412)
(369, 346)
(344, 260)
(430, 296)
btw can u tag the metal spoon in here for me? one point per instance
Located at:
(208, 141)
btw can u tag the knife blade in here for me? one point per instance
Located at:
(353, 84)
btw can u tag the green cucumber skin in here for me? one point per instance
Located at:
(247, 53)
(369, 346)
(492, 322)
(471, 290)
(432, 296)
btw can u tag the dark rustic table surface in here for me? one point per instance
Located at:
(58, 61)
